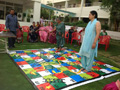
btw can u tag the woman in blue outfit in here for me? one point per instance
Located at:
(89, 46)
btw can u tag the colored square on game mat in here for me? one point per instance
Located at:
(27, 59)
(44, 73)
(68, 81)
(77, 66)
(99, 62)
(62, 68)
(85, 76)
(96, 67)
(58, 84)
(38, 81)
(57, 56)
(25, 66)
(35, 65)
(61, 58)
(16, 57)
(32, 55)
(38, 69)
(77, 71)
(34, 58)
(71, 63)
(65, 61)
(40, 60)
(22, 54)
(60, 75)
(18, 60)
(45, 86)
(33, 75)
(70, 67)
(107, 65)
(19, 51)
(99, 72)
(49, 67)
(78, 55)
(72, 60)
(77, 62)
(111, 70)
(25, 56)
(27, 71)
(103, 67)
(68, 73)
(50, 78)
(105, 71)
(93, 74)
(21, 63)
(53, 71)
(34, 50)
(114, 68)
(57, 66)
(77, 78)
(65, 64)
(31, 61)
(48, 60)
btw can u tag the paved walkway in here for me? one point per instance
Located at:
(114, 35)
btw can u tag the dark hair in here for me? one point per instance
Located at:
(59, 18)
(12, 9)
(94, 13)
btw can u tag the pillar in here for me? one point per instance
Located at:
(81, 8)
(37, 11)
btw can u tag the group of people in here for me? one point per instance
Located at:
(55, 33)
(44, 33)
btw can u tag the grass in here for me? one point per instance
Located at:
(12, 79)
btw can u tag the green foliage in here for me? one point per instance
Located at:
(79, 24)
(105, 26)
(46, 12)
(113, 6)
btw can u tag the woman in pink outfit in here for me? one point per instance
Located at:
(52, 35)
(43, 32)
(113, 86)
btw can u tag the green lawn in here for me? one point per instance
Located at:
(12, 79)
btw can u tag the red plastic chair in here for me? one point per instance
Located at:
(2, 27)
(25, 28)
(18, 35)
(67, 36)
(76, 36)
(104, 40)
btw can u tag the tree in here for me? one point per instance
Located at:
(47, 12)
(113, 6)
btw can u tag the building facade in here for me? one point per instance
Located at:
(30, 10)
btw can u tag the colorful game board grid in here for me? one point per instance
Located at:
(49, 69)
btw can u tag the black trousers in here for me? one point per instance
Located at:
(11, 41)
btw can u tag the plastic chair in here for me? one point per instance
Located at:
(2, 27)
(18, 35)
(25, 28)
(104, 40)
(76, 36)
(67, 36)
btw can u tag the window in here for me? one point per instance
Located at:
(74, 5)
(100, 0)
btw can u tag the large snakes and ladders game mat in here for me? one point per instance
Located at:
(48, 69)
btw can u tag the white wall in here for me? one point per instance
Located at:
(101, 13)
(21, 23)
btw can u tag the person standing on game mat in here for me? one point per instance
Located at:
(90, 42)
(60, 34)
(12, 26)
